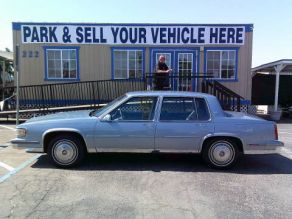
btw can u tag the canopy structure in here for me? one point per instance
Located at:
(280, 67)
(6, 71)
(6, 56)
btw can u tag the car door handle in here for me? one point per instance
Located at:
(149, 125)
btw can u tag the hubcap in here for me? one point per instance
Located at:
(65, 152)
(221, 153)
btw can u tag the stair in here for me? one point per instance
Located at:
(228, 99)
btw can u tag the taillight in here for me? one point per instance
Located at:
(276, 131)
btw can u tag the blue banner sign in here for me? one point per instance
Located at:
(140, 35)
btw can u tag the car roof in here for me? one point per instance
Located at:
(169, 93)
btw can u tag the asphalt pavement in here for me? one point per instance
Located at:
(145, 185)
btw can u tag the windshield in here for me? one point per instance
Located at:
(101, 110)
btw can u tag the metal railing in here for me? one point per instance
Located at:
(102, 91)
(73, 93)
(175, 82)
(204, 83)
(228, 99)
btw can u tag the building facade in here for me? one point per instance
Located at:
(68, 52)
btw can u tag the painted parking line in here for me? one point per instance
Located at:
(286, 152)
(6, 166)
(7, 127)
(20, 167)
(281, 132)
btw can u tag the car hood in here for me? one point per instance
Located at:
(61, 116)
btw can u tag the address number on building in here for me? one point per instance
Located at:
(30, 54)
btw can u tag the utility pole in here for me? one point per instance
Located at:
(17, 82)
(3, 79)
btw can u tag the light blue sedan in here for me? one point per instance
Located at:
(147, 121)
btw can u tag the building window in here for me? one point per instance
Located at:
(127, 63)
(61, 63)
(221, 64)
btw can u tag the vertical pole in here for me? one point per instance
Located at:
(17, 83)
(278, 69)
(3, 80)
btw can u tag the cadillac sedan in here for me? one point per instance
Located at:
(178, 122)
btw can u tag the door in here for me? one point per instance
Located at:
(182, 124)
(169, 55)
(184, 65)
(129, 126)
(169, 61)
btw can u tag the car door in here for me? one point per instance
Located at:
(182, 124)
(129, 126)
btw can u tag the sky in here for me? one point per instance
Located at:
(272, 19)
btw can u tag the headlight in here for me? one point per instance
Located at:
(21, 132)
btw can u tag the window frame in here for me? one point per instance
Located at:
(61, 48)
(113, 49)
(221, 49)
(130, 98)
(188, 121)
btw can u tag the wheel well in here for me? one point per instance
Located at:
(234, 139)
(51, 135)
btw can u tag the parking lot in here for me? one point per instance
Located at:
(145, 185)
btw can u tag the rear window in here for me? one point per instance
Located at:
(202, 109)
(184, 109)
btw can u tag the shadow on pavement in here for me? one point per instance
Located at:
(248, 164)
(285, 121)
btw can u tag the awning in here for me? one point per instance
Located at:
(280, 67)
(6, 56)
(270, 67)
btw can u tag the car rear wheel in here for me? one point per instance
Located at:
(220, 153)
(66, 151)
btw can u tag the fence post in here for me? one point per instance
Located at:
(214, 89)
(238, 104)
(43, 101)
(93, 94)
(51, 95)
(203, 87)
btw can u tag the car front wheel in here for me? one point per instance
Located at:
(220, 153)
(66, 151)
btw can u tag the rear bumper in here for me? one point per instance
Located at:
(30, 146)
(270, 147)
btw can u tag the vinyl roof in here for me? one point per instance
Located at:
(168, 93)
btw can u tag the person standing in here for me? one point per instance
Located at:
(162, 74)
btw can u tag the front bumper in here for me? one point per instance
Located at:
(30, 146)
(269, 147)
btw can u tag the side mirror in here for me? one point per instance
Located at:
(107, 118)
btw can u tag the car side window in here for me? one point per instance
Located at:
(135, 109)
(178, 108)
(202, 109)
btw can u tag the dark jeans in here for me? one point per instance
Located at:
(161, 81)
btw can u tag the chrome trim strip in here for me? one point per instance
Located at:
(121, 150)
(23, 142)
(178, 136)
(34, 150)
(129, 150)
(259, 151)
(109, 136)
(273, 143)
